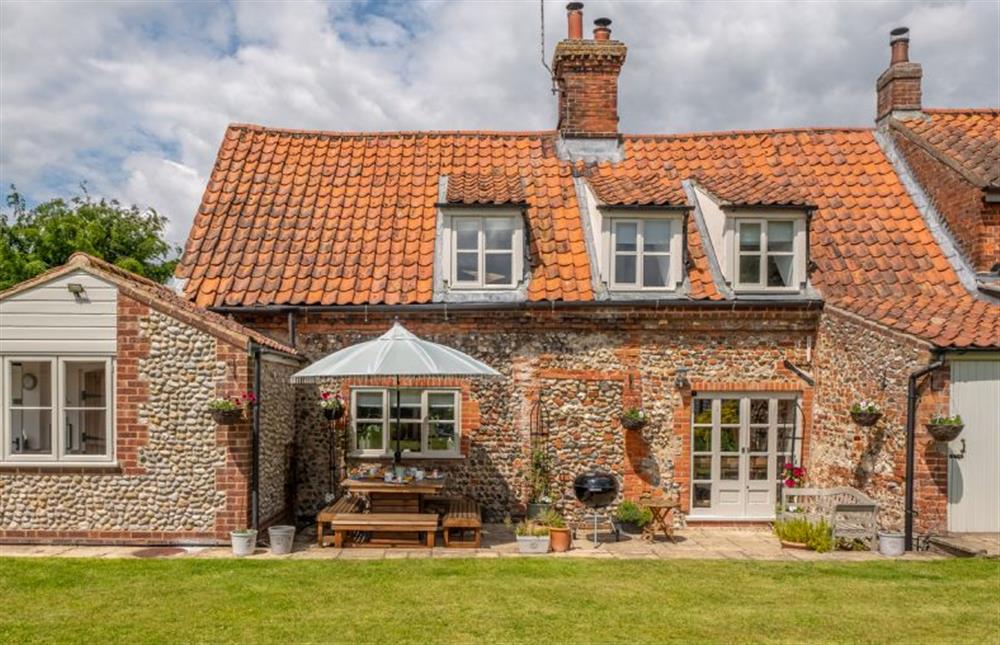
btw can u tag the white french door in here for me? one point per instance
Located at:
(739, 443)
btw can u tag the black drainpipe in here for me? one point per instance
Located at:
(911, 443)
(255, 443)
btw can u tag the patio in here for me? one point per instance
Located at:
(498, 542)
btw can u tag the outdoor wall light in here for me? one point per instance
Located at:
(681, 380)
(75, 288)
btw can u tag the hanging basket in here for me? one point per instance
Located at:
(632, 423)
(945, 432)
(333, 414)
(866, 419)
(227, 417)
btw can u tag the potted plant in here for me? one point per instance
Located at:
(793, 476)
(244, 541)
(332, 404)
(532, 537)
(230, 411)
(560, 536)
(801, 533)
(634, 419)
(538, 476)
(945, 429)
(866, 413)
(632, 517)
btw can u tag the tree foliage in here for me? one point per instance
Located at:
(33, 240)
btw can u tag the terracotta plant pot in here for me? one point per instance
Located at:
(227, 417)
(945, 432)
(866, 419)
(631, 423)
(560, 540)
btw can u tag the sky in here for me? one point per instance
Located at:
(133, 98)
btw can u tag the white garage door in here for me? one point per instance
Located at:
(974, 482)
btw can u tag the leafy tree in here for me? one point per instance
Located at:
(35, 239)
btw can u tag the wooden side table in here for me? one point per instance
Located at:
(663, 519)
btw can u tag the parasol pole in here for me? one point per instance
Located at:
(398, 457)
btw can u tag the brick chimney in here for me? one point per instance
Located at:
(586, 74)
(898, 88)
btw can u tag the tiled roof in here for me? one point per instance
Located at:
(495, 187)
(753, 189)
(639, 189)
(314, 218)
(155, 295)
(970, 138)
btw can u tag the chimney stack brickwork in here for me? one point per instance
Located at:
(898, 88)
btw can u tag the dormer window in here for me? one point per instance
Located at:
(768, 253)
(486, 250)
(643, 252)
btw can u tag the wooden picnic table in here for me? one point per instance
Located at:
(663, 518)
(393, 497)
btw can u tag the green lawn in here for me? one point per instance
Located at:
(498, 601)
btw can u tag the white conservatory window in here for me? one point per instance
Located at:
(428, 422)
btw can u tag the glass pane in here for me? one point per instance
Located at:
(750, 237)
(441, 436)
(466, 267)
(369, 405)
(786, 411)
(758, 467)
(654, 270)
(784, 438)
(499, 233)
(409, 437)
(625, 269)
(31, 384)
(758, 439)
(656, 236)
(702, 439)
(779, 236)
(758, 410)
(729, 440)
(703, 410)
(779, 270)
(779, 464)
(702, 496)
(625, 236)
(729, 468)
(499, 268)
(729, 411)
(409, 405)
(703, 467)
(86, 432)
(369, 436)
(441, 407)
(466, 234)
(85, 385)
(31, 432)
(749, 269)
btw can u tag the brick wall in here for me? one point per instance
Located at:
(898, 90)
(974, 224)
(587, 76)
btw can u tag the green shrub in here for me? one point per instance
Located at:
(631, 513)
(947, 421)
(817, 536)
(552, 519)
(531, 529)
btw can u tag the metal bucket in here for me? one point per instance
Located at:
(891, 544)
(282, 537)
(243, 542)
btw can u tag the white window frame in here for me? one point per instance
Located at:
(675, 272)
(517, 249)
(388, 447)
(798, 252)
(59, 407)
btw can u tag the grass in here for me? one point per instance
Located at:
(497, 601)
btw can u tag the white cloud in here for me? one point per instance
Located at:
(134, 98)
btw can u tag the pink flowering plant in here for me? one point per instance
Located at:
(793, 476)
(331, 400)
(247, 399)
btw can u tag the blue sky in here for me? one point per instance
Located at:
(133, 98)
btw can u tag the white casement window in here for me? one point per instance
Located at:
(486, 251)
(766, 254)
(57, 409)
(644, 253)
(428, 422)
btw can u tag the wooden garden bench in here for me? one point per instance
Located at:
(344, 504)
(380, 524)
(462, 516)
(849, 512)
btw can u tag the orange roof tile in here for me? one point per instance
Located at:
(308, 218)
(970, 138)
(752, 189)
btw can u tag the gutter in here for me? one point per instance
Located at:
(911, 440)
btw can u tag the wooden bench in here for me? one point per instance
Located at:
(345, 504)
(850, 513)
(384, 523)
(462, 516)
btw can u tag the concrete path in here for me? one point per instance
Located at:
(498, 542)
(969, 544)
